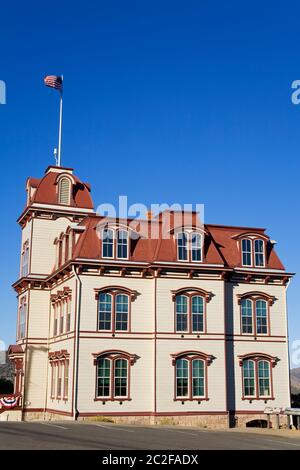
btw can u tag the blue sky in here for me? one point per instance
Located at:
(165, 101)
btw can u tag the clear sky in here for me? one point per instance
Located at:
(165, 101)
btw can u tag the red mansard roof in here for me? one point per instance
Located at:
(46, 189)
(221, 246)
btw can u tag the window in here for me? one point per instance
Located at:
(247, 316)
(122, 244)
(190, 378)
(190, 310)
(196, 247)
(108, 243)
(246, 252)
(182, 313)
(191, 375)
(182, 246)
(59, 376)
(189, 246)
(255, 313)
(114, 244)
(59, 363)
(61, 320)
(253, 252)
(182, 378)
(22, 318)
(256, 375)
(55, 308)
(53, 375)
(259, 253)
(121, 307)
(64, 191)
(25, 260)
(114, 309)
(249, 378)
(112, 375)
(66, 379)
(68, 322)
(61, 305)
(121, 377)
(105, 311)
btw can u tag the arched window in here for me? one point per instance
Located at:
(247, 316)
(253, 252)
(259, 256)
(122, 244)
(105, 311)
(108, 243)
(189, 246)
(115, 243)
(257, 376)
(182, 246)
(25, 259)
(196, 241)
(182, 309)
(246, 252)
(112, 375)
(255, 313)
(121, 312)
(249, 378)
(64, 191)
(190, 310)
(22, 318)
(191, 375)
(114, 304)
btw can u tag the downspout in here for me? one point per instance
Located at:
(288, 341)
(75, 411)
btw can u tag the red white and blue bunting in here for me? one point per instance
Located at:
(9, 402)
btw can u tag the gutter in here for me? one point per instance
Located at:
(75, 411)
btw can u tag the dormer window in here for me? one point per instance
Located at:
(259, 256)
(108, 243)
(253, 252)
(64, 191)
(115, 243)
(189, 246)
(122, 244)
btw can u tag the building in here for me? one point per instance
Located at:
(187, 328)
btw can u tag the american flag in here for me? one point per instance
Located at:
(53, 81)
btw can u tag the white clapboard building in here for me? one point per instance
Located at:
(153, 321)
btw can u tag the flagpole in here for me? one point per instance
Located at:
(60, 125)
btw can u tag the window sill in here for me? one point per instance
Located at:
(258, 398)
(191, 399)
(112, 399)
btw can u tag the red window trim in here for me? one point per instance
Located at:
(190, 356)
(113, 355)
(57, 360)
(115, 243)
(252, 241)
(114, 291)
(57, 301)
(256, 357)
(254, 297)
(191, 292)
(189, 233)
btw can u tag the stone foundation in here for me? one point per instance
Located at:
(203, 421)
